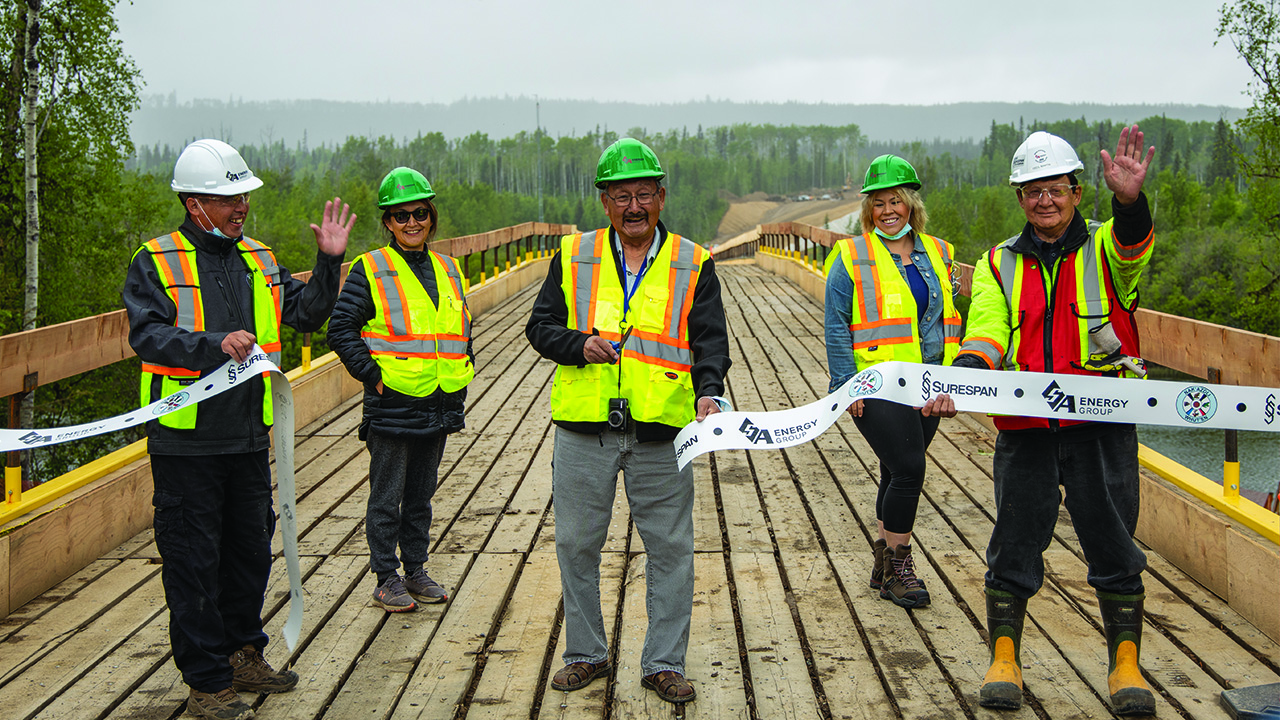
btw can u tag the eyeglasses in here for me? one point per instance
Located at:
(1053, 191)
(227, 200)
(419, 214)
(644, 198)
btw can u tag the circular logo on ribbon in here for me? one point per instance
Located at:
(867, 383)
(173, 402)
(1196, 404)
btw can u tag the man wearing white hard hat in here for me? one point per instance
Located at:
(196, 298)
(1059, 298)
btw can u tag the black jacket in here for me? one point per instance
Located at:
(391, 414)
(232, 421)
(550, 335)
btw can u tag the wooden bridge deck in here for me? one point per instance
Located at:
(784, 624)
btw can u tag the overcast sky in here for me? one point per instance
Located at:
(657, 51)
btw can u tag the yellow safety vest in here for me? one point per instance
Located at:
(175, 259)
(883, 321)
(653, 372)
(418, 345)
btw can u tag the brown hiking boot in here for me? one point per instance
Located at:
(900, 582)
(251, 673)
(222, 705)
(877, 567)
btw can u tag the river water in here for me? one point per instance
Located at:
(1203, 450)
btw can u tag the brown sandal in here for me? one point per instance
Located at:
(670, 686)
(577, 675)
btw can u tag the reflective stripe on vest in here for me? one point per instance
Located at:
(175, 260)
(653, 372)
(418, 345)
(883, 315)
(1081, 287)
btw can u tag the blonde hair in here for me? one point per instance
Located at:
(911, 198)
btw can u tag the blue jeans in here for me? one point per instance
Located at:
(584, 481)
(1100, 476)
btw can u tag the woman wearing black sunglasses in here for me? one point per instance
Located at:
(401, 327)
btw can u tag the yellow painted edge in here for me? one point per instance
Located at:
(46, 493)
(1241, 510)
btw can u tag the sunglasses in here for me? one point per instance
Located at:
(402, 216)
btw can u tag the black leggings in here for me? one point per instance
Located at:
(899, 435)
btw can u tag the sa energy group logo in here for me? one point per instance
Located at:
(1196, 404)
(755, 434)
(171, 403)
(867, 383)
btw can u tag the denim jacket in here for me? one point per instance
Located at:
(839, 308)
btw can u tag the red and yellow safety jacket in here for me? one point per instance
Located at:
(1030, 316)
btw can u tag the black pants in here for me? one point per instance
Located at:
(1100, 476)
(402, 481)
(213, 528)
(899, 435)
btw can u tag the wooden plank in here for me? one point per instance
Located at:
(850, 684)
(347, 453)
(45, 679)
(714, 659)
(443, 676)
(515, 660)
(587, 703)
(375, 684)
(63, 350)
(35, 641)
(330, 655)
(530, 506)
(630, 698)
(53, 598)
(779, 679)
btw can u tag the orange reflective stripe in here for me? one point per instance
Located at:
(170, 371)
(602, 237)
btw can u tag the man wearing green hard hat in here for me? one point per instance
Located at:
(401, 327)
(632, 316)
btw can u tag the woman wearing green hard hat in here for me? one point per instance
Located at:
(889, 296)
(401, 327)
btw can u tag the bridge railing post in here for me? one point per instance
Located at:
(1231, 461)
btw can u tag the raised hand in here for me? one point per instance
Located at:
(1126, 173)
(333, 230)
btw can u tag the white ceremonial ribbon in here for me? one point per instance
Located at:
(219, 381)
(1026, 394)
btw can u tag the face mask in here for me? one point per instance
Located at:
(899, 236)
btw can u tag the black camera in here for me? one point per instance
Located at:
(618, 414)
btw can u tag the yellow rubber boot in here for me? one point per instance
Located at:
(1002, 686)
(1122, 622)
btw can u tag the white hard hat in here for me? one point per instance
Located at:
(1043, 155)
(212, 167)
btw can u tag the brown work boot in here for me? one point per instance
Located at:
(251, 673)
(877, 567)
(222, 705)
(900, 582)
(670, 686)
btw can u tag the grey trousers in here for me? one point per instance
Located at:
(402, 480)
(584, 480)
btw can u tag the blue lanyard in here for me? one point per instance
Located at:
(628, 294)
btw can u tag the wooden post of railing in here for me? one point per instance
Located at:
(13, 475)
(1231, 463)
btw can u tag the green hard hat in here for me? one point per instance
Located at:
(627, 159)
(889, 171)
(403, 185)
